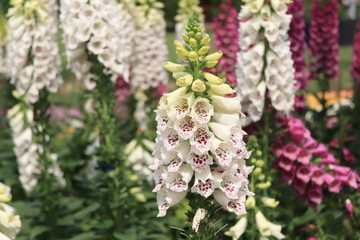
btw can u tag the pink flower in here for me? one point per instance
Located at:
(315, 195)
(317, 175)
(304, 173)
(285, 163)
(304, 157)
(333, 184)
(226, 36)
(328, 159)
(324, 37)
(320, 150)
(349, 207)
(340, 169)
(298, 46)
(291, 151)
(348, 156)
(299, 186)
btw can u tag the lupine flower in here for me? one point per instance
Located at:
(199, 138)
(150, 49)
(10, 223)
(226, 37)
(265, 25)
(324, 37)
(33, 61)
(267, 228)
(355, 63)
(100, 28)
(186, 10)
(298, 168)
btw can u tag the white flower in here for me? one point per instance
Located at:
(103, 29)
(267, 228)
(199, 215)
(191, 131)
(33, 61)
(268, 25)
(149, 44)
(238, 229)
(5, 195)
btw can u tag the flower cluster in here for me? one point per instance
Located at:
(199, 132)
(186, 10)
(226, 37)
(298, 47)
(10, 223)
(264, 62)
(150, 49)
(324, 37)
(33, 61)
(355, 64)
(96, 28)
(309, 165)
(26, 150)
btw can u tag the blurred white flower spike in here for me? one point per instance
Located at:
(99, 28)
(199, 135)
(33, 59)
(150, 50)
(264, 61)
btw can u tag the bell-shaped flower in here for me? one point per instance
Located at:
(267, 228)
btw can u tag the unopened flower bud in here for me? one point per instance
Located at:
(213, 79)
(193, 57)
(215, 56)
(250, 202)
(193, 43)
(270, 202)
(185, 37)
(261, 177)
(221, 90)
(257, 171)
(173, 67)
(182, 52)
(198, 86)
(205, 40)
(198, 35)
(211, 64)
(263, 186)
(178, 44)
(260, 163)
(204, 50)
(185, 81)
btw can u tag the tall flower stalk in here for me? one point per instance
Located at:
(298, 46)
(200, 140)
(264, 63)
(34, 67)
(100, 53)
(226, 37)
(324, 46)
(148, 78)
